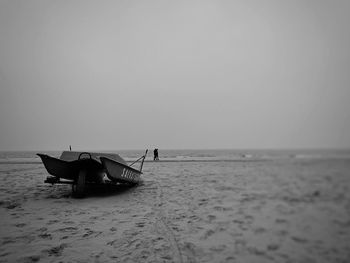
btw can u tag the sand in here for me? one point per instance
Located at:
(267, 211)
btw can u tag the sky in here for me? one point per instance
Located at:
(109, 75)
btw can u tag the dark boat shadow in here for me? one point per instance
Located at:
(91, 190)
(106, 190)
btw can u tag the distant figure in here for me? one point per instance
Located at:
(70, 147)
(155, 153)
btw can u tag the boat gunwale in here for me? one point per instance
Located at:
(123, 165)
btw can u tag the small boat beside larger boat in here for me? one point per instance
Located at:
(81, 168)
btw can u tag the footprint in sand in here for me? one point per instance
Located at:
(248, 219)
(208, 233)
(237, 221)
(190, 251)
(90, 232)
(256, 251)
(273, 247)
(140, 224)
(45, 236)
(67, 229)
(56, 251)
(53, 222)
(12, 205)
(285, 210)
(8, 240)
(299, 239)
(211, 217)
(5, 254)
(281, 221)
(343, 224)
(111, 243)
(282, 233)
(34, 258)
(20, 225)
(259, 230)
(240, 245)
(203, 202)
(218, 249)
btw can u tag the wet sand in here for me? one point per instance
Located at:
(268, 211)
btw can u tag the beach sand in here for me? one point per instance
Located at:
(266, 211)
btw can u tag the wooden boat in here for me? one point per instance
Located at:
(81, 168)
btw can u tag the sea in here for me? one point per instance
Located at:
(196, 155)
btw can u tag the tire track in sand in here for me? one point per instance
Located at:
(163, 227)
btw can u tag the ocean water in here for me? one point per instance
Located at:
(194, 155)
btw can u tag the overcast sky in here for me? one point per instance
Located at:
(174, 74)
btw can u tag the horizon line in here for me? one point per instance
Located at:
(192, 149)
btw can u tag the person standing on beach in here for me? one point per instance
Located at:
(155, 153)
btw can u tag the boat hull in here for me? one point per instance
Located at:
(119, 172)
(70, 170)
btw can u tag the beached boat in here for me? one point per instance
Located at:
(81, 168)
